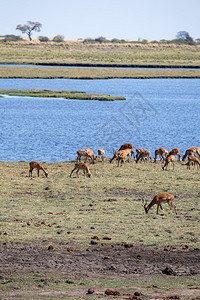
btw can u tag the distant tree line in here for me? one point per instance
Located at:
(182, 37)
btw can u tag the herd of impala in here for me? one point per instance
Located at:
(126, 151)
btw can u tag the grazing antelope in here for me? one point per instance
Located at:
(38, 166)
(170, 159)
(175, 152)
(138, 152)
(126, 146)
(144, 155)
(101, 153)
(161, 198)
(191, 151)
(162, 152)
(122, 157)
(91, 154)
(193, 160)
(81, 166)
(119, 152)
(85, 153)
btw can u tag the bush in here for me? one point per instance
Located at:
(12, 38)
(43, 38)
(58, 39)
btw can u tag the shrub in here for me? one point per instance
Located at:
(12, 38)
(58, 39)
(43, 38)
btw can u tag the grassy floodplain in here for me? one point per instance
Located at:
(60, 94)
(124, 219)
(67, 211)
(76, 52)
(91, 73)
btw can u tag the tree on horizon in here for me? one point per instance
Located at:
(29, 28)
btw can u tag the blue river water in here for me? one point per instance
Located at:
(156, 113)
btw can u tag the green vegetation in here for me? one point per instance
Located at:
(65, 211)
(94, 73)
(79, 52)
(60, 94)
(117, 195)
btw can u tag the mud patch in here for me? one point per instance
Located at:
(113, 259)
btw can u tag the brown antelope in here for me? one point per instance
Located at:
(161, 198)
(38, 166)
(191, 151)
(193, 160)
(81, 166)
(170, 159)
(126, 146)
(162, 152)
(138, 152)
(101, 153)
(144, 155)
(122, 157)
(85, 153)
(175, 152)
(126, 152)
(91, 154)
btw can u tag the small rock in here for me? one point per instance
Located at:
(169, 271)
(90, 291)
(107, 238)
(112, 292)
(95, 237)
(93, 243)
(50, 247)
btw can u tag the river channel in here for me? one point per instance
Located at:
(156, 113)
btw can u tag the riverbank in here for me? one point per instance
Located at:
(60, 94)
(95, 73)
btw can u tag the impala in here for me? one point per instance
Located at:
(170, 159)
(122, 157)
(101, 153)
(90, 153)
(191, 151)
(162, 152)
(161, 198)
(175, 152)
(193, 160)
(144, 155)
(126, 146)
(85, 153)
(138, 152)
(127, 151)
(38, 166)
(81, 166)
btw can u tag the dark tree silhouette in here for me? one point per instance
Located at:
(29, 28)
(184, 35)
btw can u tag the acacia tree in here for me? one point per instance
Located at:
(184, 35)
(29, 28)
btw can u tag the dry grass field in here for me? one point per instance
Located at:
(61, 236)
(76, 52)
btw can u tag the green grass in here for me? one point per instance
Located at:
(110, 203)
(43, 286)
(116, 195)
(60, 94)
(92, 73)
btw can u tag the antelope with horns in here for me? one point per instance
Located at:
(161, 198)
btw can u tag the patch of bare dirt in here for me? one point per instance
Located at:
(99, 259)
